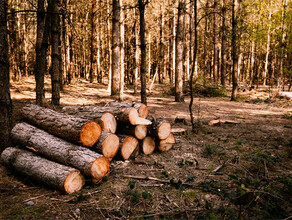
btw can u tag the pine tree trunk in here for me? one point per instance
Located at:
(115, 87)
(215, 53)
(52, 174)
(122, 72)
(136, 74)
(73, 129)
(54, 148)
(223, 44)
(5, 100)
(93, 47)
(179, 47)
(109, 44)
(143, 52)
(55, 55)
(267, 51)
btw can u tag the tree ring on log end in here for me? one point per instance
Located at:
(110, 146)
(74, 182)
(99, 168)
(133, 115)
(163, 130)
(108, 122)
(129, 148)
(148, 145)
(140, 132)
(143, 111)
(90, 133)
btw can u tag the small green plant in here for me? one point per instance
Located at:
(147, 195)
(165, 173)
(288, 115)
(213, 149)
(131, 184)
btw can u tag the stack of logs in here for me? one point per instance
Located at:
(119, 130)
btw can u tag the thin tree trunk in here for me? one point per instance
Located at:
(136, 57)
(55, 38)
(283, 46)
(179, 53)
(93, 71)
(115, 87)
(205, 74)
(223, 46)
(122, 76)
(109, 49)
(268, 51)
(5, 100)
(143, 51)
(234, 45)
(174, 46)
(215, 57)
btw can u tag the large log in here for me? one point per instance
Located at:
(138, 131)
(166, 144)
(88, 162)
(148, 145)
(108, 145)
(102, 115)
(160, 128)
(68, 127)
(129, 147)
(140, 107)
(55, 175)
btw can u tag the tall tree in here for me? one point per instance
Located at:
(43, 32)
(215, 56)
(223, 44)
(142, 6)
(55, 55)
(122, 74)
(115, 85)
(93, 43)
(5, 100)
(234, 45)
(179, 48)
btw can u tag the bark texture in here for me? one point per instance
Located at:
(160, 128)
(55, 175)
(88, 162)
(68, 127)
(141, 108)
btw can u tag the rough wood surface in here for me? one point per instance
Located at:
(108, 145)
(148, 145)
(166, 144)
(138, 131)
(140, 107)
(130, 115)
(129, 147)
(88, 162)
(104, 116)
(160, 128)
(55, 175)
(71, 128)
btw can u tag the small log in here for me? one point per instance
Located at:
(108, 145)
(55, 175)
(220, 122)
(138, 131)
(88, 162)
(105, 118)
(160, 128)
(140, 107)
(68, 127)
(178, 131)
(130, 115)
(166, 144)
(129, 147)
(148, 145)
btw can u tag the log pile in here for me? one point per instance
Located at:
(59, 148)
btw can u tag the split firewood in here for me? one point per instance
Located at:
(166, 144)
(102, 115)
(129, 147)
(108, 145)
(55, 175)
(147, 145)
(68, 127)
(138, 131)
(88, 162)
(160, 128)
(140, 107)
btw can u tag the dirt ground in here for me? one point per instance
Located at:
(229, 171)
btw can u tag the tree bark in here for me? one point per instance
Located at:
(93, 46)
(52, 174)
(68, 127)
(54, 148)
(122, 71)
(109, 49)
(215, 53)
(234, 45)
(160, 128)
(179, 46)
(115, 87)
(223, 46)
(141, 108)
(55, 55)
(142, 6)
(5, 100)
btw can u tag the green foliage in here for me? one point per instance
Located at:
(262, 156)
(131, 184)
(288, 115)
(147, 195)
(213, 149)
(165, 173)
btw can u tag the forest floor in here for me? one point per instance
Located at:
(238, 170)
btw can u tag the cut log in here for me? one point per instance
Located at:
(108, 145)
(130, 115)
(88, 162)
(178, 131)
(160, 128)
(148, 145)
(138, 131)
(106, 119)
(140, 107)
(68, 127)
(220, 122)
(129, 147)
(166, 144)
(55, 175)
